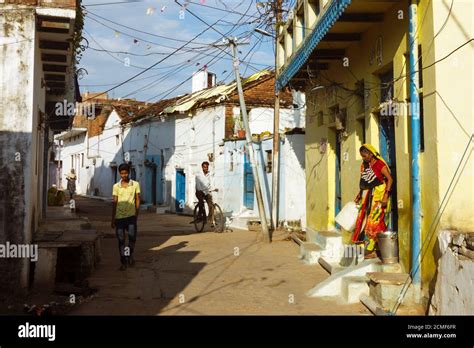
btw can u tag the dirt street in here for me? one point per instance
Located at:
(181, 272)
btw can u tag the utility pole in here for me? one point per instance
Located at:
(248, 136)
(276, 128)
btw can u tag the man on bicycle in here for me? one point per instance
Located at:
(204, 188)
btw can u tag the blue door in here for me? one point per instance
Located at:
(248, 184)
(180, 190)
(153, 190)
(387, 146)
(338, 202)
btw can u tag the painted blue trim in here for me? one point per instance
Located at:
(327, 20)
(415, 149)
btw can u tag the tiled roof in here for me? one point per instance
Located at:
(258, 91)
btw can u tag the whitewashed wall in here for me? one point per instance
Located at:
(21, 142)
(293, 168)
(261, 120)
(292, 193)
(181, 141)
(105, 150)
(71, 151)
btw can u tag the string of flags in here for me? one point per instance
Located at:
(151, 11)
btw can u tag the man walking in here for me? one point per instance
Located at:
(204, 188)
(126, 205)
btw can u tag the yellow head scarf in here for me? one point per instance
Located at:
(374, 152)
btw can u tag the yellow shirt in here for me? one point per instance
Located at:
(126, 198)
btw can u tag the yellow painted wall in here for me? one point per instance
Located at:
(392, 32)
(445, 138)
(448, 95)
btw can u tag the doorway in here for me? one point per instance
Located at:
(387, 144)
(248, 183)
(180, 190)
(153, 193)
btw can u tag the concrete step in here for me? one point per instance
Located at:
(330, 267)
(161, 209)
(385, 288)
(332, 286)
(241, 222)
(377, 309)
(353, 287)
(329, 241)
(324, 238)
(388, 268)
(310, 253)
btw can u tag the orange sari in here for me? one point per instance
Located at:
(371, 219)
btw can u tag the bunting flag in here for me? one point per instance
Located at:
(150, 11)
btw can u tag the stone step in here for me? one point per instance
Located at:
(353, 287)
(330, 267)
(332, 286)
(310, 253)
(325, 239)
(388, 267)
(385, 288)
(377, 309)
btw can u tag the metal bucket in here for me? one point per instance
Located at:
(388, 246)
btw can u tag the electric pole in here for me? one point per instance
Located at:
(276, 128)
(248, 136)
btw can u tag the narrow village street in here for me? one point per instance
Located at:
(306, 159)
(181, 272)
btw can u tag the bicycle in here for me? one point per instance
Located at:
(217, 220)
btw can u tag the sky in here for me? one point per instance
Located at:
(156, 28)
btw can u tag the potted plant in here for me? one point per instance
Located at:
(240, 127)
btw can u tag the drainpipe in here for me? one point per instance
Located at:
(415, 149)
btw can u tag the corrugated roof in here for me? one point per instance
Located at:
(214, 94)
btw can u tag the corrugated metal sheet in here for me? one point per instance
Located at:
(219, 92)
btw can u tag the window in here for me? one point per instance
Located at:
(320, 118)
(269, 161)
(420, 68)
(386, 86)
(422, 122)
(82, 160)
(72, 161)
(231, 167)
(117, 140)
(333, 112)
(361, 129)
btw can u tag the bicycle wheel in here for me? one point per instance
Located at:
(198, 225)
(219, 220)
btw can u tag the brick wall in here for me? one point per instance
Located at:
(257, 94)
(263, 94)
(44, 3)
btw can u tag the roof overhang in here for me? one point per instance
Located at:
(340, 26)
(330, 16)
(71, 133)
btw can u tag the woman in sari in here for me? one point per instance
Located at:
(375, 187)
